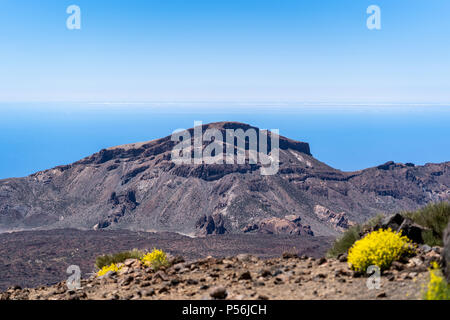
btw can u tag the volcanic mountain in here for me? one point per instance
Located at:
(139, 187)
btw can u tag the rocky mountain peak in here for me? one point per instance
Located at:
(138, 186)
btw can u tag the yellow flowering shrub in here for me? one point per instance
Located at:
(379, 248)
(437, 289)
(106, 269)
(155, 259)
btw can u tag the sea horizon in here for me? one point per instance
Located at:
(349, 136)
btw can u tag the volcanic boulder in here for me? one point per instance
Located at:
(280, 226)
(213, 224)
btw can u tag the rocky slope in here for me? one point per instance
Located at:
(138, 187)
(245, 277)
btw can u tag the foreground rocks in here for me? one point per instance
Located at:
(35, 258)
(245, 277)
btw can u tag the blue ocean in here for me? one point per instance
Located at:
(38, 136)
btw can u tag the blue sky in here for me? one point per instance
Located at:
(258, 50)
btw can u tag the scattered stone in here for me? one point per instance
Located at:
(436, 249)
(244, 257)
(218, 293)
(278, 280)
(343, 257)
(245, 276)
(319, 277)
(414, 262)
(145, 284)
(161, 275)
(147, 293)
(191, 282)
(125, 270)
(178, 266)
(277, 272)
(340, 272)
(174, 282)
(289, 255)
(164, 289)
(176, 260)
(425, 248)
(382, 295)
(126, 281)
(321, 261)
(397, 266)
(265, 273)
(129, 262)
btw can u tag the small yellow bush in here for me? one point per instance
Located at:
(106, 269)
(438, 289)
(379, 248)
(155, 259)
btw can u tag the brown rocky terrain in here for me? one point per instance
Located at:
(245, 277)
(138, 187)
(34, 258)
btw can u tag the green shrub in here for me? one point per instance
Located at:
(369, 225)
(109, 259)
(350, 236)
(434, 216)
(344, 242)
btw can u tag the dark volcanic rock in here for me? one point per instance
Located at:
(393, 221)
(406, 226)
(412, 231)
(250, 227)
(210, 225)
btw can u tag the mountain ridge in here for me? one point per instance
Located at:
(138, 187)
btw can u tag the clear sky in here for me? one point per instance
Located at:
(175, 50)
